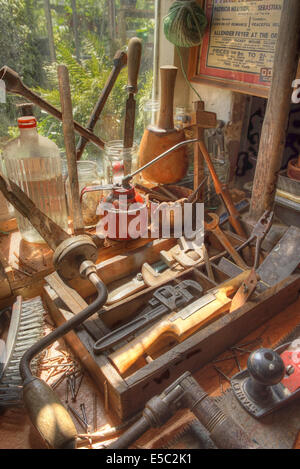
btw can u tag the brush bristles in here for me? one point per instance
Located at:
(30, 330)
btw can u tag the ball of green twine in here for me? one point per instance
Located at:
(185, 23)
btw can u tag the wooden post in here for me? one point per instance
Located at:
(69, 137)
(273, 135)
(50, 30)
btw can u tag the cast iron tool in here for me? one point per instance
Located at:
(270, 382)
(185, 392)
(164, 300)
(259, 232)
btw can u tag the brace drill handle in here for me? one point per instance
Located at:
(186, 392)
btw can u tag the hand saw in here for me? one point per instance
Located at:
(179, 325)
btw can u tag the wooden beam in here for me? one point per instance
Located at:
(273, 135)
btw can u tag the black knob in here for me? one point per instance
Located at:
(266, 368)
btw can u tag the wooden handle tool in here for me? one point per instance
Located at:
(69, 137)
(120, 60)
(157, 140)
(179, 325)
(134, 62)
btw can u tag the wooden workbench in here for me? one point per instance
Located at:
(17, 432)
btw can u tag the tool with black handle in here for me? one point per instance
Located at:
(134, 62)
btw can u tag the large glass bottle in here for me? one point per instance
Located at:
(33, 162)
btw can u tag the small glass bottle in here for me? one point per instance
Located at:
(87, 176)
(33, 162)
(118, 160)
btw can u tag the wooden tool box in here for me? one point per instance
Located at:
(125, 396)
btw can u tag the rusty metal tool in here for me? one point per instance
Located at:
(214, 227)
(15, 85)
(164, 300)
(259, 233)
(69, 139)
(185, 392)
(189, 246)
(223, 192)
(120, 61)
(134, 62)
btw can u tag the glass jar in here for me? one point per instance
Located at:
(6, 209)
(151, 110)
(119, 161)
(181, 117)
(87, 176)
(33, 162)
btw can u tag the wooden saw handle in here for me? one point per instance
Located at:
(180, 329)
(168, 75)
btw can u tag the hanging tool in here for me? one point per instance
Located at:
(15, 85)
(134, 62)
(120, 61)
(164, 300)
(185, 392)
(214, 227)
(179, 325)
(158, 139)
(69, 139)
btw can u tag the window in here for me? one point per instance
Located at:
(83, 34)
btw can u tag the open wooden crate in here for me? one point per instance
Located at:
(125, 396)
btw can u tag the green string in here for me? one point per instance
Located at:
(184, 26)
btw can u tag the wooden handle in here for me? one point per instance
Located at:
(134, 62)
(69, 138)
(232, 285)
(126, 356)
(168, 78)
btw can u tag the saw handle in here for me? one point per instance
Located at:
(133, 63)
(168, 75)
(127, 355)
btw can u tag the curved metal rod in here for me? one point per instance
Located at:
(78, 319)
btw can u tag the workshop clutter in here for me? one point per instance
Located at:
(139, 301)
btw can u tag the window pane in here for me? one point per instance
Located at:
(85, 35)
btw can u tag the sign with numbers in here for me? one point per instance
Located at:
(238, 48)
